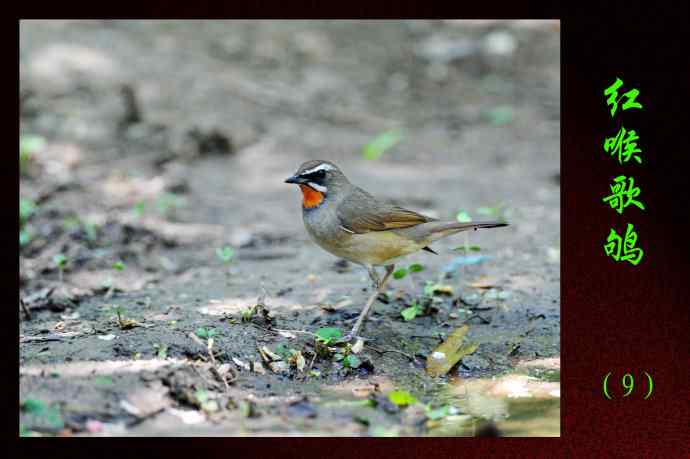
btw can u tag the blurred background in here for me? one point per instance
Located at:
(153, 155)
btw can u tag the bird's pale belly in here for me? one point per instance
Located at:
(374, 248)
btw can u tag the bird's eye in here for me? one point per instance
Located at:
(320, 174)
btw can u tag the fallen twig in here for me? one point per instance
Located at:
(25, 309)
(383, 351)
(214, 364)
(311, 364)
(47, 338)
(279, 330)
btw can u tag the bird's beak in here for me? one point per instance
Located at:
(295, 179)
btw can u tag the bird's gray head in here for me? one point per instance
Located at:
(319, 175)
(318, 178)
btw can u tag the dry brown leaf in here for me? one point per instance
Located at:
(484, 282)
(450, 352)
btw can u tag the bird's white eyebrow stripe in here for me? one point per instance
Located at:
(320, 167)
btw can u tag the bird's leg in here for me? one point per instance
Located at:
(367, 307)
(373, 275)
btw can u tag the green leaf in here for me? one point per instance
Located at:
(60, 260)
(381, 143)
(431, 289)
(139, 209)
(24, 238)
(118, 266)
(30, 144)
(201, 395)
(352, 361)
(33, 406)
(400, 273)
(401, 398)
(103, 381)
(410, 313)
(416, 267)
(328, 334)
(473, 248)
(283, 351)
(463, 217)
(26, 209)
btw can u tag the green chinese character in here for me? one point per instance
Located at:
(615, 245)
(613, 99)
(623, 192)
(624, 146)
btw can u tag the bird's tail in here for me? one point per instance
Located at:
(438, 230)
(457, 226)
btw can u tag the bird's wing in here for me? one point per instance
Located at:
(361, 213)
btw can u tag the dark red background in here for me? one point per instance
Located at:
(615, 317)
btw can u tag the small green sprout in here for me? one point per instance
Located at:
(415, 268)
(26, 209)
(28, 146)
(411, 312)
(401, 398)
(402, 272)
(351, 361)
(248, 313)
(60, 262)
(118, 266)
(161, 351)
(205, 333)
(124, 323)
(108, 283)
(225, 254)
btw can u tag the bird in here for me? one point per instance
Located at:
(350, 223)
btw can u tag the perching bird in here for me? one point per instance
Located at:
(350, 223)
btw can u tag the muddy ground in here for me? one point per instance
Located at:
(148, 147)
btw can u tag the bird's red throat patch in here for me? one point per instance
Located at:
(310, 197)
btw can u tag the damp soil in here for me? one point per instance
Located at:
(152, 146)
